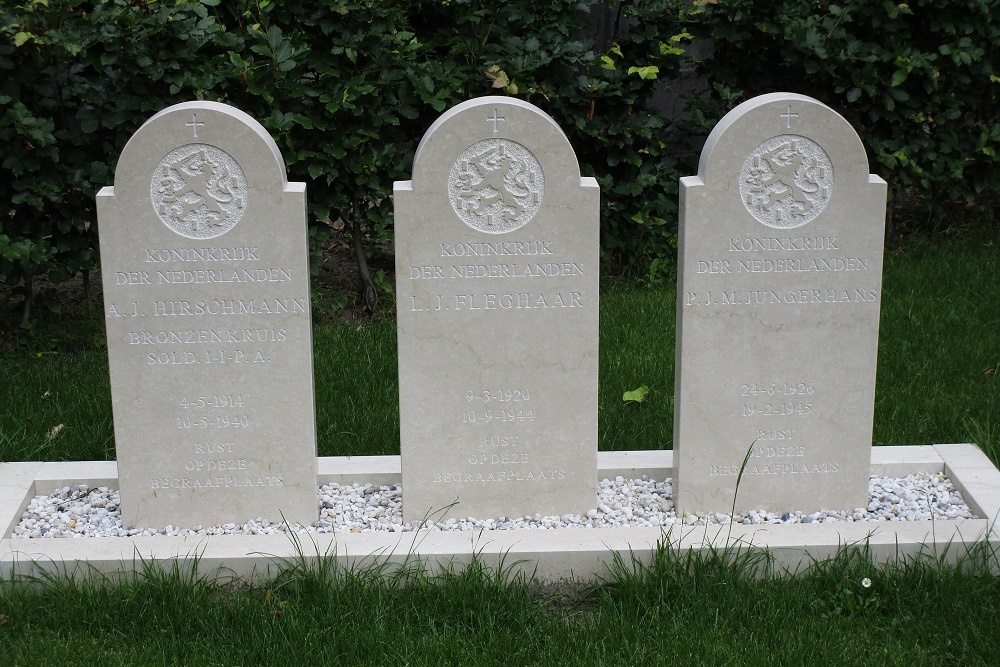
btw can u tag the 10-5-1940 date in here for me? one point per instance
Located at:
(214, 421)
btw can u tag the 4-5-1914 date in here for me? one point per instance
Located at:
(216, 401)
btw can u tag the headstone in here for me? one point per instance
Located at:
(497, 304)
(779, 292)
(206, 288)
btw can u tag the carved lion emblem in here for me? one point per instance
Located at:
(787, 181)
(496, 186)
(199, 191)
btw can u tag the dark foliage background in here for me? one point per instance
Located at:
(347, 88)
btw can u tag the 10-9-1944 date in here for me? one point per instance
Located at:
(487, 416)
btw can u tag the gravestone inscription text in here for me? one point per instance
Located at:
(778, 308)
(496, 270)
(206, 290)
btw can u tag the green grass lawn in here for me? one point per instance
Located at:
(939, 354)
(683, 609)
(938, 359)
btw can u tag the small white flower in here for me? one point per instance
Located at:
(866, 583)
(53, 432)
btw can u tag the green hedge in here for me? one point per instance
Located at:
(347, 88)
(75, 82)
(919, 81)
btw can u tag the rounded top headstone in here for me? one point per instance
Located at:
(200, 164)
(499, 160)
(789, 153)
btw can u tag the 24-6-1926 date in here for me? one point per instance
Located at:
(778, 389)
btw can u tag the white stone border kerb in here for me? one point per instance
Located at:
(548, 555)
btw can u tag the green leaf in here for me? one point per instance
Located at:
(636, 395)
(607, 63)
(853, 94)
(648, 72)
(21, 37)
(899, 76)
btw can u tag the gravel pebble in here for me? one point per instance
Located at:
(80, 511)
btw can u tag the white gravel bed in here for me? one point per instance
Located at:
(79, 511)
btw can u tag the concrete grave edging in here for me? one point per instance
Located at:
(546, 555)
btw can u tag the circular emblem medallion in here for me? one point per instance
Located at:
(787, 181)
(199, 191)
(496, 186)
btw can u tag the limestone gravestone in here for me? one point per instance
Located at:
(497, 304)
(779, 292)
(206, 287)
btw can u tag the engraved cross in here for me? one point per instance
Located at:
(495, 119)
(788, 116)
(194, 123)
